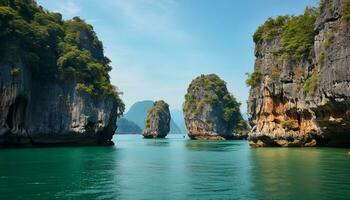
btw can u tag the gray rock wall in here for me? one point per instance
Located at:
(48, 111)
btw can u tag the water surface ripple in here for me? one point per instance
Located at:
(174, 168)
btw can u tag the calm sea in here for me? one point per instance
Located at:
(174, 168)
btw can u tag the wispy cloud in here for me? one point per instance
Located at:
(156, 18)
(69, 8)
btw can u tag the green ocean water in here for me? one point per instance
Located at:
(174, 168)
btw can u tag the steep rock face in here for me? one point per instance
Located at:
(40, 103)
(304, 100)
(157, 122)
(211, 112)
(46, 113)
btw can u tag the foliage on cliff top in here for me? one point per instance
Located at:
(52, 46)
(210, 89)
(296, 33)
(270, 29)
(158, 108)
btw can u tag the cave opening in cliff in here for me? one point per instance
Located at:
(17, 112)
(89, 127)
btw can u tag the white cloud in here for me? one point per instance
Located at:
(156, 18)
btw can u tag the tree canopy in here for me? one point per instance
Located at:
(210, 89)
(53, 47)
(296, 33)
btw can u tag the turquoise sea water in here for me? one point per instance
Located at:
(174, 168)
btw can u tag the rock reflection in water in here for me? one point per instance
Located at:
(197, 145)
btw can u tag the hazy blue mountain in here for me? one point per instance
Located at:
(178, 117)
(128, 127)
(174, 128)
(245, 116)
(138, 112)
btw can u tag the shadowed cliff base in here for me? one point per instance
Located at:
(10, 140)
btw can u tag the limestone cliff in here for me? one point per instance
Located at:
(300, 87)
(157, 122)
(211, 112)
(54, 83)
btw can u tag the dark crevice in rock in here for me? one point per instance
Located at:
(89, 127)
(321, 25)
(17, 113)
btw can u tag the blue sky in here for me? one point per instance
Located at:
(158, 46)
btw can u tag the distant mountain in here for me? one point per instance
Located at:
(245, 116)
(174, 128)
(178, 117)
(137, 114)
(128, 127)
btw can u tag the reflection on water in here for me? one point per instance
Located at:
(162, 142)
(202, 145)
(174, 168)
(217, 170)
(280, 172)
(300, 173)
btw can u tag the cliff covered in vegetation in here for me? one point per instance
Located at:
(211, 112)
(54, 82)
(157, 122)
(300, 87)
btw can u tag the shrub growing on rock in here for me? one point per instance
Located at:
(254, 78)
(310, 84)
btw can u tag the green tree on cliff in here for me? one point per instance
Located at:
(52, 46)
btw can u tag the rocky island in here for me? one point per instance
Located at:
(300, 87)
(211, 112)
(54, 82)
(157, 122)
(133, 121)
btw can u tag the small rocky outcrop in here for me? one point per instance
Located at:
(54, 82)
(300, 87)
(211, 112)
(157, 122)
